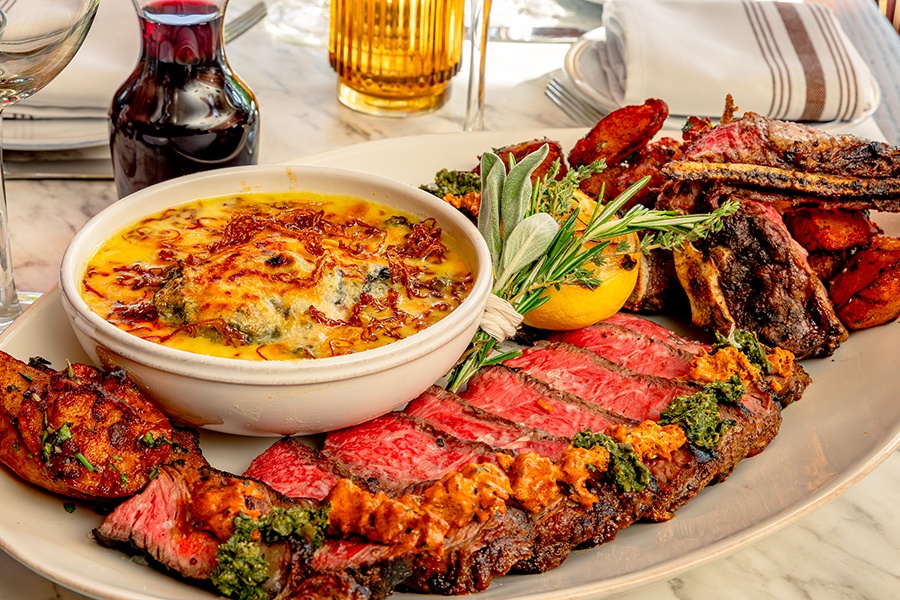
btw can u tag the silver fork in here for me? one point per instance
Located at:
(575, 107)
(242, 23)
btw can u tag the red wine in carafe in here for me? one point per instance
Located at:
(182, 110)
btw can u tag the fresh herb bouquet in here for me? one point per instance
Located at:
(537, 241)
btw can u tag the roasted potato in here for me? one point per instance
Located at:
(829, 229)
(620, 133)
(866, 292)
(79, 432)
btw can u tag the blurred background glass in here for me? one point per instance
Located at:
(300, 21)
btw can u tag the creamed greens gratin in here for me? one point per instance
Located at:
(276, 276)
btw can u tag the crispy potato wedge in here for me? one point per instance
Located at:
(866, 292)
(620, 133)
(79, 432)
(825, 229)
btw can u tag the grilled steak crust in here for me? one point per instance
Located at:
(879, 194)
(363, 570)
(753, 275)
(758, 140)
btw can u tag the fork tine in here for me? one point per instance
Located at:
(573, 105)
(244, 21)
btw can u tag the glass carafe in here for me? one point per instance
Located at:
(182, 110)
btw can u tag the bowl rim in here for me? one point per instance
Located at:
(234, 370)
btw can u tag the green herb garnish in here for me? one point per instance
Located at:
(453, 183)
(625, 468)
(748, 344)
(534, 237)
(698, 415)
(242, 568)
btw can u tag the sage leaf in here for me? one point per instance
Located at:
(525, 244)
(493, 176)
(516, 200)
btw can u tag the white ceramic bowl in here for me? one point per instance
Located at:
(278, 397)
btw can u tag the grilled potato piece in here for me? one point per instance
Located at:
(866, 292)
(620, 133)
(829, 230)
(79, 432)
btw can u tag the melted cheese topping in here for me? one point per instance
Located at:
(276, 276)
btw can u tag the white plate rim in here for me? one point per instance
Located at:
(529, 586)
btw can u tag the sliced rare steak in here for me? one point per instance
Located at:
(299, 471)
(649, 348)
(565, 524)
(630, 348)
(182, 516)
(449, 412)
(401, 454)
(656, 331)
(599, 381)
(295, 470)
(518, 397)
(643, 397)
(361, 567)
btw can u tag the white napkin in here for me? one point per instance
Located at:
(84, 89)
(786, 60)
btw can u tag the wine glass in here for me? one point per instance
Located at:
(479, 26)
(37, 40)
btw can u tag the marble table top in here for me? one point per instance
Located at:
(848, 548)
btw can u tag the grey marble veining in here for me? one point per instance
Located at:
(849, 548)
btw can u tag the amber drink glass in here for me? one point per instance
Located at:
(395, 57)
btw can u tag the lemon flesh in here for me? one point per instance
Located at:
(575, 306)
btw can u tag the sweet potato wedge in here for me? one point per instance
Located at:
(866, 292)
(79, 432)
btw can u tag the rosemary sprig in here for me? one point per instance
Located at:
(537, 240)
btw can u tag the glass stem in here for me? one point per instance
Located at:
(481, 10)
(9, 299)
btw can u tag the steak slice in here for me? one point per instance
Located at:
(759, 140)
(361, 567)
(564, 524)
(400, 454)
(649, 348)
(656, 331)
(516, 396)
(599, 381)
(643, 397)
(449, 412)
(179, 520)
(629, 348)
(299, 471)
(295, 470)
